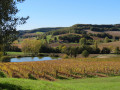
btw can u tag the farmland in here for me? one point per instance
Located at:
(63, 69)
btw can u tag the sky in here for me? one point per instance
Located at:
(65, 13)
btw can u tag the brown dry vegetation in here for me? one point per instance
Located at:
(93, 32)
(111, 45)
(113, 33)
(66, 44)
(66, 68)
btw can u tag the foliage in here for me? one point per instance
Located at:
(70, 38)
(85, 53)
(5, 58)
(65, 56)
(82, 41)
(107, 40)
(117, 50)
(9, 21)
(47, 49)
(71, 51)
(105, 50)
(31, 46)
(31, 76)
(2, 75)
(13, 49)
(1, 54)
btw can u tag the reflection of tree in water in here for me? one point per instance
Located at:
(40, 57)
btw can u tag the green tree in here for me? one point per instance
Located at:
(105, 50)
(55, 39)
(106, 40)
(85, 53)
(31, 46)
(9, 21)
(117, 50)
(75, 51)
(82, 41)
(95, 50)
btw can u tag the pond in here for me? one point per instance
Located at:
(30, 59)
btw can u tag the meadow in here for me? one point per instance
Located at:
(63, 69)
(109, 83)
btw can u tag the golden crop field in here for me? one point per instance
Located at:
(66, 68)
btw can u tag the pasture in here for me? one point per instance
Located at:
(111, 83)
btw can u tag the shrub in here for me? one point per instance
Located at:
(1, 54)
(85, 53)
(105, 50)
(54, 55)
(30, 76)
(5, 58)
(65, 56)
(117, 50)
(2, 75)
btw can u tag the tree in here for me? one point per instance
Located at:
(107, 40)
(9, 21)
(117, 50)
(55, 39)
(105, 50)
(82, 41)
(75, 51)
(85, 53)
(96, 50)
(31, 46)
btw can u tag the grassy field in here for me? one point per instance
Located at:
(15, 53)
(111, 83)
(111, 45)
(39, 32)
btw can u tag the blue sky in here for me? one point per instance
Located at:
(64, 13)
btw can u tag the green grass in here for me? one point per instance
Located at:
(39, 32)
(15, 53)
(26, 84)
(110, 83)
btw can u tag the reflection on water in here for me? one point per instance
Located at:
(29, 59)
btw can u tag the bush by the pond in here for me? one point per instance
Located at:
(54, 55)
(42, 54)
(1, 54)
(2, 75)
(65, 56)
(5, 58)
(85, 53)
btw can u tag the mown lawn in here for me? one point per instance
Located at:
(15, 53)
(111, 83)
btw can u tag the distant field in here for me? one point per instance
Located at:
(93, 32)
(113, 33)
(39, 32)
(66, 44)
(110, 45)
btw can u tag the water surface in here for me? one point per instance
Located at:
(30, 59)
